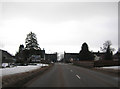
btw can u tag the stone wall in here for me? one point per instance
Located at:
(87, 64)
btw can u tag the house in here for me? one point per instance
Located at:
(30, 55)
(51, 57)
(37, 56)
(35, 59)
(6, 57)
(68, 57)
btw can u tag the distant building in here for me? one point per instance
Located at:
(35, 59)
(42, 54)
(51, 57)
(68, 57)
(31, 55)
(37, 56)
(98, 55)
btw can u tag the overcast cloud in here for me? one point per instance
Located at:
(59, 26)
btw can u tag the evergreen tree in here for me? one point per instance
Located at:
(108, 54)
(20, 55)
(31, 41)
(21, 48)
(85, 54)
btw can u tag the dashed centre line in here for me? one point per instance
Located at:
(78, 76)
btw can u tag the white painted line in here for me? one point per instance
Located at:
(78, 76)
(71, 70)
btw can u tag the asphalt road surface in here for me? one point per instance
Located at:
(67, 75)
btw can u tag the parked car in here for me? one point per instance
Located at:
(4, 65)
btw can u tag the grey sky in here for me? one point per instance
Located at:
(59, 26)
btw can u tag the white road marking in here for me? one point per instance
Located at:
(71, 70)
(78, 76)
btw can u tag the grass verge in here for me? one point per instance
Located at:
(18, 80)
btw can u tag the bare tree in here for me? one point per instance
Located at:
(106, 46)
(108, 50)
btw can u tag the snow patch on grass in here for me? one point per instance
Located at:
(20, 69)
(111, 67)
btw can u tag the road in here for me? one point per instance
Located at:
(67, 75)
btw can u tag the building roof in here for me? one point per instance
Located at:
(7, 57)
(71, 53)
(98, 53)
